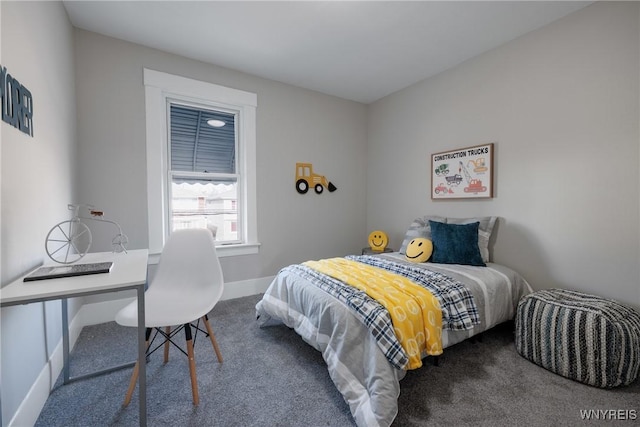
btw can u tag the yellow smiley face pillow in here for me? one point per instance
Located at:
(378, 240)
(419, 250)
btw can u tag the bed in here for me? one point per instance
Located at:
(354, 332)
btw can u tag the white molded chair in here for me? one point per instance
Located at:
(187, 285)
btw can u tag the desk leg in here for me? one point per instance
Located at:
(142, 358)
(65, 341)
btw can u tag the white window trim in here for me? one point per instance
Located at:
(160, 86)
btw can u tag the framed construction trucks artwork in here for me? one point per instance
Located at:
(465, 173)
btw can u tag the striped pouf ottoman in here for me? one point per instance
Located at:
(579, 336)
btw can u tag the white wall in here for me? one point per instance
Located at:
(561, 104)
(37, 181)
(0, 221)
(0, 194)
(293, 125)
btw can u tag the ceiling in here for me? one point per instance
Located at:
(357, 50)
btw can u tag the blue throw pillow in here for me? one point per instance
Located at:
(455, 243)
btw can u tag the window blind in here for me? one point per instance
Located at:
(198, 147)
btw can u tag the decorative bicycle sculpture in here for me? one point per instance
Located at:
(70, 240)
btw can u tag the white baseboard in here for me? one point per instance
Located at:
(101, 312)
(93, 314)
(244, 288)
(105, 311)
(29, 410)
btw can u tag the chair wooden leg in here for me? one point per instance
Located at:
(167, 330)
(192, 364)
(212, 338)
(134, 375)
(132, 385)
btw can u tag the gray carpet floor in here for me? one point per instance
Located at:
(271, 377)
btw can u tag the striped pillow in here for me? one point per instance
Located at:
(419, 228)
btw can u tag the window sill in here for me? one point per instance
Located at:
(222, 251)
(233, 250)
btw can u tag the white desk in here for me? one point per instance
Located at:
(129, 271)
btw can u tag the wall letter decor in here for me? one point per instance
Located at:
(17, 103)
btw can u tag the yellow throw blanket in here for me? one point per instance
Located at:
(415, 312)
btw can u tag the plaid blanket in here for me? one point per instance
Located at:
(459, 311)
(372, 314)
(415, 312)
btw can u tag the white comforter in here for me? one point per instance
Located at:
(357, 366)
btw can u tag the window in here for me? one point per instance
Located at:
(204, 174)
(200, 161)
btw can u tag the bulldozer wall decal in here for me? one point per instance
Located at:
(306, 178)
